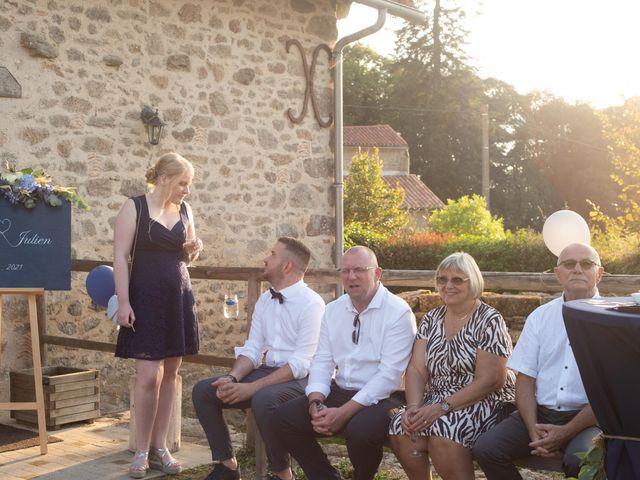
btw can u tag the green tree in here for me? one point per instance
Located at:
(520, 193)
(622, 131)
(366, 79)
(439, 46)
(545, 154)
(467, 216)
(437, 99)
(565, 143)
(368, 200)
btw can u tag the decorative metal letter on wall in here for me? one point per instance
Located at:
(309, 73)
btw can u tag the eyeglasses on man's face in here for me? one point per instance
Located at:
(455, 281)
(584, 264)
(355, 270)
(355, 335)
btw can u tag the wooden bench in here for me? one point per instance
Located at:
(531, 462)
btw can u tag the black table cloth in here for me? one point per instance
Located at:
(606, 344)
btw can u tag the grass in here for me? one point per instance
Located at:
(247, 463)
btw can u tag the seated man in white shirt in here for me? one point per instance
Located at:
(554, 417)
(285, 325)
(367, 335)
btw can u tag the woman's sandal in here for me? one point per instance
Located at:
(161, 459)
(140, 465)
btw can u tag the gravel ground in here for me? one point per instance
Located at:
(192, 432)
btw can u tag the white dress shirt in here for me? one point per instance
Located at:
(544, 353)
(288, 332)
(375, 365)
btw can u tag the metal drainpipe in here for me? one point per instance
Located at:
(339, 157)
(398, 10)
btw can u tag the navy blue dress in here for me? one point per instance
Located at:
(160, 293)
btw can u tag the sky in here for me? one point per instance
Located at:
(580, 50)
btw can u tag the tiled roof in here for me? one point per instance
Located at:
(372, 136)
(416, 194)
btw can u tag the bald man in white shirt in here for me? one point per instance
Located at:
(284, 329)
(554, 417)
(365, 341)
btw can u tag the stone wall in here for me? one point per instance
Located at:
(514, 308)
(220, 75)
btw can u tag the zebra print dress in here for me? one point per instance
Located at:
(451, 366)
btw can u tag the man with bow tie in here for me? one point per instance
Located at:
(286, 326)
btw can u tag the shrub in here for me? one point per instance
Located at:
(370, 201)
(466, 216)
(619, 251)
(357, 233)
(523, 251)
(417, 251)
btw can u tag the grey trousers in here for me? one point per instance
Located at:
(496, 449)
(263, 405)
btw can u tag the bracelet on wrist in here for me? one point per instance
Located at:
(232, 377)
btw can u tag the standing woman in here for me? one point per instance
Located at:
(156, 303)
(457, 382)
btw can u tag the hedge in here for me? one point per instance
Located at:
(523, 251)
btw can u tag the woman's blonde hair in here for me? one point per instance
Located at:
(169, 164)
(465, 263)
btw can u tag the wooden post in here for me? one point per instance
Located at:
(253, 438)
(258, 445)
(253, 293)
(41, 303)
(38, 405)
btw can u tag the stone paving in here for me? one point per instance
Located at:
(87, 452)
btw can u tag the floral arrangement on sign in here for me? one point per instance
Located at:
(29, 186)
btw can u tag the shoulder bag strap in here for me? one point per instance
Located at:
(135, 239)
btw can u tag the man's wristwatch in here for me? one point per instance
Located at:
(316, 403)
(445, 406)
(233, 378)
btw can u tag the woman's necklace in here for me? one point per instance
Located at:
(462, 317)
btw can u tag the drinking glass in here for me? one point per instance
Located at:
(414, 439)
(230, 307)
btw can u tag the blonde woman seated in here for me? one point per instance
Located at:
(457, 383)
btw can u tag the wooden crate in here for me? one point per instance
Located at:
(70, 395)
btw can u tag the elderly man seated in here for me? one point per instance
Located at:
(553, 417)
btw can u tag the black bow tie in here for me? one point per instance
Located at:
(277, 295)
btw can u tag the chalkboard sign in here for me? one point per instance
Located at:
(35, 246)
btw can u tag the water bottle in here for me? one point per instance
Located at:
(230, 308)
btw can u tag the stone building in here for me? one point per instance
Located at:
(393, 150)
(76, 76)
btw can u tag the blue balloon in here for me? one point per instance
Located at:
(101, 285)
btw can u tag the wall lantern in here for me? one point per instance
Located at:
(153, 123)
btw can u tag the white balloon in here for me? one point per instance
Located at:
(563, 228)
(112, 309)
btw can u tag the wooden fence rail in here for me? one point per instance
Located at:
(494, 281)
